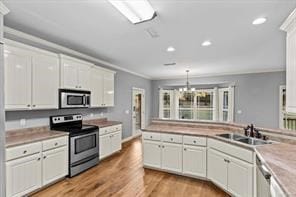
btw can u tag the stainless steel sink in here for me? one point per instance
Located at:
(243, 139)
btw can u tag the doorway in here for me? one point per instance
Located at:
(138, 110)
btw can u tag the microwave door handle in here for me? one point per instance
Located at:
(84, 100)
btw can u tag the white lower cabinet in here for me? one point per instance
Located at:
(195, 161)
(152, 153)
(110, 140)
(171, 159)
(54, 164)
(28, 167)
(23, 175)
(231, 174)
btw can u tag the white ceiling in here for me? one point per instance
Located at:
(96, 28)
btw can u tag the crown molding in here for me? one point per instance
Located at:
(62, 49)
(291, 20)
(3, 9)
(254, 71)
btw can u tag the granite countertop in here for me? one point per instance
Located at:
(30, 135)
(102, 122)
(280, 158)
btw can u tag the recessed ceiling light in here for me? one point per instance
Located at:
(259, 21)
(206, 43)
(135, 11)
(171, 49)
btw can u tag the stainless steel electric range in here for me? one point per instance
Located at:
(83, 142)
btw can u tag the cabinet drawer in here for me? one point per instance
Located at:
(151, 136)
(172, 138)
(117, 128)
(105, 130)
(193, 140)
(23, 150)
(54, 143)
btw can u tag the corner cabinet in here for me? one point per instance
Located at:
(109, 140)
(289, 26)
(31, 78)
(102, 87)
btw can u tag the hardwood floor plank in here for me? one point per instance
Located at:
(122, 175)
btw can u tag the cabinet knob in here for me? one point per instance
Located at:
(194, 141)
(38, 159)
(185, 149)
(159, 146)
(171, 139)
(34, 105)
(162, 146)
(28, 105)
(151, 137)
(44, 157)
(56, 144)
(25, 151)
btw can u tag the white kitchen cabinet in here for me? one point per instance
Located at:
(110, 140)
(217, 168)
(231, 174)
(290, 27)
(75, 73)
(31, 78)
(17, 66)
(45, 80)
(96, 87)
(171, 157)
(23, 175)
(195, 161)
(152, 153)
(55, 164)
(108, 88)
(275, 189)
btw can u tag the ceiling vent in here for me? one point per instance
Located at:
(170, 64)
(152, 33)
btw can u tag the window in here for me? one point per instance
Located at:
(287, 121)
(203, 104)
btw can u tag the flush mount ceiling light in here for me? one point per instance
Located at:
(206, 43)
(136, 11)
(171, 49)
(259, 21)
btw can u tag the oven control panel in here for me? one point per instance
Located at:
(66, 118)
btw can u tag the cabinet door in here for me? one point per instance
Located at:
(291, 71)
(96, 87)
(152, 154)
(240, 178)
(45, 81)
(171, 157)
(84, 77)
(55, 164)
(108, 89)
(105, 145)
(116, 141)
(17, 63)
(195, 161)
(217, 168)
(23, 175)
(69, 73)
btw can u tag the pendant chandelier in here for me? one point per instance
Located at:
(187, 88)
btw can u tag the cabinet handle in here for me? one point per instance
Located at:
(56, 144)
(151, 137)
(28, 105)
(162, 146)
(34, 105)
(38, 159)
(171, 139)
(159, 146)
(185, 149)
(25, 152)
(44, 157)
(194, 141)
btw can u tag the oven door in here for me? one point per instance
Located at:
(84, 146)
(74, 100)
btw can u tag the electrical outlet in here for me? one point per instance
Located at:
(23, 122)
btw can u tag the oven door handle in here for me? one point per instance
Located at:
(85, 134)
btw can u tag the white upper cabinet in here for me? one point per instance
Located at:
(31, 78)
(75, 73)
(108, 88)
(45, 80)
(290, 27)
(17, 63)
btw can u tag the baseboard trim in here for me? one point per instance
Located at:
(130, 138)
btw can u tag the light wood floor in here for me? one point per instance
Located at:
(123, 175)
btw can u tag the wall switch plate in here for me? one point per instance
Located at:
(239, 112)
(23, 122)
(127, 111)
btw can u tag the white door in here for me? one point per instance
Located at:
(17, 63)
(45, 81)
(69, 72)
(152, 153)
(96, 87)
(116, 141)
(105, 145)
(23, 175)
(171, 157)
(55, 165)
(217, 168)
(108, 89)
(138, 110)
(240, 178)
(195, 161)
(84, 77)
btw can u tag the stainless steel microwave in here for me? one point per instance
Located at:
(73, 99)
